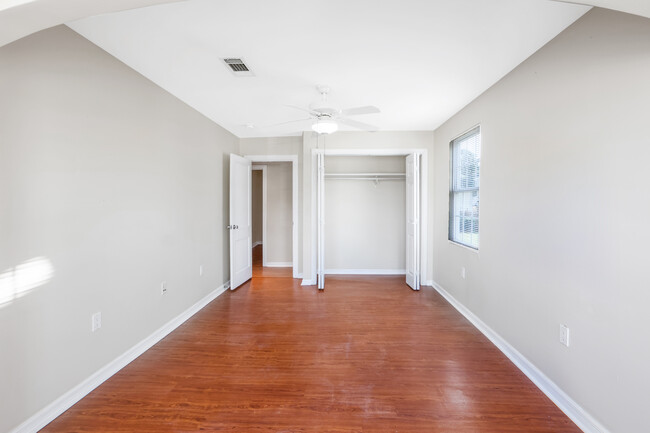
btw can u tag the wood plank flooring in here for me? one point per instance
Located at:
(366, 355)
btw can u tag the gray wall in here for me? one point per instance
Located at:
(564, 214)
(113, 186)
(365, 222)
(257, 206)
(279, 236)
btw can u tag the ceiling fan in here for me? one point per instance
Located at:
(325, 118)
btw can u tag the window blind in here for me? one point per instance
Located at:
(464, 191)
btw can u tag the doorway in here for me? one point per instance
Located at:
(241, 218)
(271, 219)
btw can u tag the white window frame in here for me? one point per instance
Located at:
(476, 130)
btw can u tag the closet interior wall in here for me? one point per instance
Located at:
(365, 219)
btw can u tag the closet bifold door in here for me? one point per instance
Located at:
(321, 222)
(413, 221)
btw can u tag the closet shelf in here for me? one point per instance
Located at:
(366, 176)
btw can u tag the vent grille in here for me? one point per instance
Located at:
(237, 67)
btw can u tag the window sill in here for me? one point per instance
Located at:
(474, 250)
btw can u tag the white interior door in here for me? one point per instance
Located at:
(413, 221)
(321, 222)
(240, 227)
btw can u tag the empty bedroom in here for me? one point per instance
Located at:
(308, 216)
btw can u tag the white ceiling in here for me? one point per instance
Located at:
(19, 18)
(419, 61)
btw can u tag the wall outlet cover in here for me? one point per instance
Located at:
(96, 320)
(564, 335)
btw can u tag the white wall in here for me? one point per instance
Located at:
(279, 227)
(257, 206)
(118, 186)
(564, 214)
(365, 227)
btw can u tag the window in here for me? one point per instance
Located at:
(465, 156)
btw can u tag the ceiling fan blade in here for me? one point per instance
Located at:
(305, 110)
(358, 125)
(368, 109)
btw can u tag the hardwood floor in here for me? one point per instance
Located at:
(366, 355)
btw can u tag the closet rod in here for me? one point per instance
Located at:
(366, 175)
(366, 178)
(374, 177)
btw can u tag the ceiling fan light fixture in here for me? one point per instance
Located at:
(326, 126)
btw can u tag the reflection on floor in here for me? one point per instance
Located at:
(261, 271)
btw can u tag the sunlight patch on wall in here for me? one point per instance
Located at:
(24, 278)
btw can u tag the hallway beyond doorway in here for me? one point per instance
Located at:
(260, 271)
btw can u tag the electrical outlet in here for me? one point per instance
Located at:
(564, 335)
(200, 270)
(96, 320)
(163, 288)
(462, 273)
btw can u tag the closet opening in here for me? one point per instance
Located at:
(371, 217)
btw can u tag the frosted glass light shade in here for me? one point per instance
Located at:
(325, 126)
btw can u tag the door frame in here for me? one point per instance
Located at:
(293, 159)
(424, 198)
(262, 168)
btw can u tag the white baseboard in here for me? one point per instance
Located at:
(306, 282)
(278, 264)
(365, 272)
(573, 410)
(257, 243)
(63, 403)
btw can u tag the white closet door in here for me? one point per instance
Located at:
(241, 236)
(321, 221)
(413, 221)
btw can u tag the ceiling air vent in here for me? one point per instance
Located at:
(237, 67)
